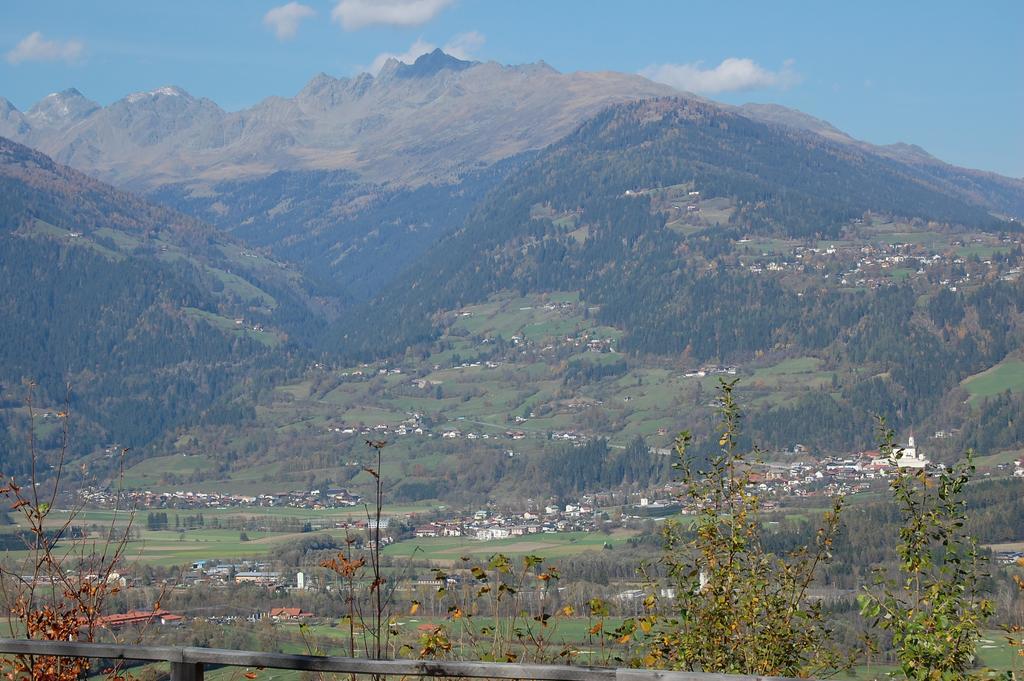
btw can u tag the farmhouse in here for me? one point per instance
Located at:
(288, 614)
(258, 577)
(138, 617)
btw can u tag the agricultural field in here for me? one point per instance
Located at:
(229, 325)
(777, 383)
(327, 414)
(1000, 458)
(151, 472)
(448, 550)
(539, 365)
(171, 549)
(220, 537)
(1007, 375)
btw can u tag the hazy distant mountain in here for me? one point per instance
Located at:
(1002, 194)
(791, 118)
(341, 230)
(354, 178)
(423, 121)
(60, 110)
(429, 121)
(12, 121)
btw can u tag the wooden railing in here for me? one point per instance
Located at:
(187, 664)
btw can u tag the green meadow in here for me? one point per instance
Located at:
(1007, 375)
(449, 550)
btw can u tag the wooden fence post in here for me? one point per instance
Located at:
(186, 671)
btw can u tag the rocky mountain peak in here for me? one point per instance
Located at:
(544, 66)
(60, 109)
(7, 108)
(428, 64)
(12, 121)
(165, 92)
(389, 69)
(317, 84)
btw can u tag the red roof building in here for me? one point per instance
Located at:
(138, 617)
(289, 613)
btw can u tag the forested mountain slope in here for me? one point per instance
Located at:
(149, 315)
(1003, 194)
(341, 230)
(605, 212)
(621, 253)
(691, 234)
(792, 174)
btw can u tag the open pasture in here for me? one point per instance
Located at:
(449, 550)
(1007, 375)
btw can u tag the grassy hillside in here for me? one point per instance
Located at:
(1008, 375)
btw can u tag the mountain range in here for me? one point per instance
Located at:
(588, 215)
(351, 222)
(354, 178)
(429, 121)
(421, 122)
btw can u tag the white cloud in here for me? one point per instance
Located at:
(285, 20)
(731, 75)
(465, 45)
(356, 14)
(461, 46)
(34, 47)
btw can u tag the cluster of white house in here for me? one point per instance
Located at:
(485, 526)
(185, 499)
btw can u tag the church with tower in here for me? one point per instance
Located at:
(908, 456)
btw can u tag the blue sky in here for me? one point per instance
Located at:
(948, 76)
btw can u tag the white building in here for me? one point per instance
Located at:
(489, 533)
(907, 455)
